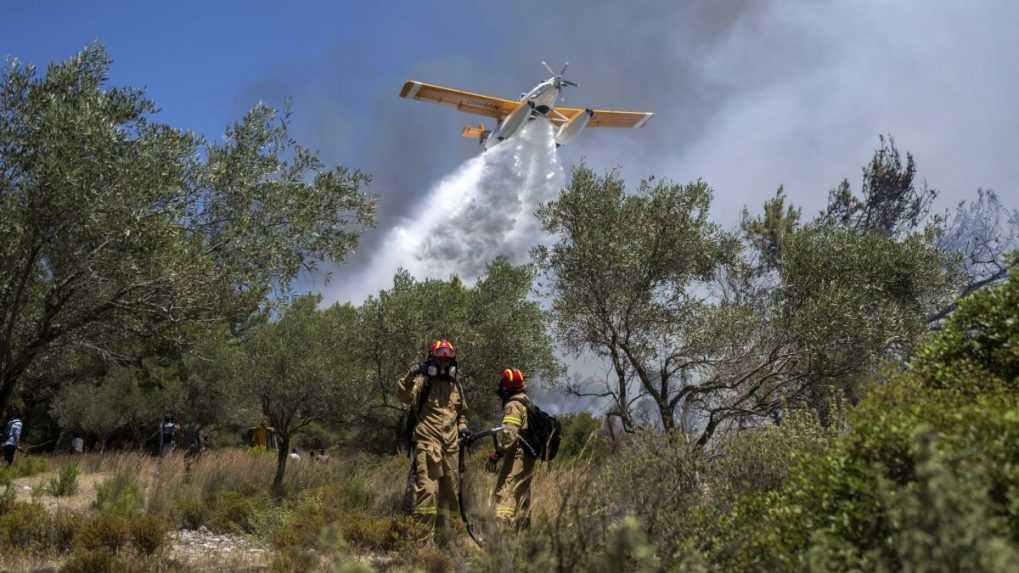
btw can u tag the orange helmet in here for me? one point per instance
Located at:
(442, 349)
(512, 380)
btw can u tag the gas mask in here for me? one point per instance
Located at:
(503, 393)
(434, 370)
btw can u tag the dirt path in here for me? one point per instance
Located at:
(80, 501)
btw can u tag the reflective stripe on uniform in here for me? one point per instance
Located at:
(425, 511)
(504, 511)
(512, 420)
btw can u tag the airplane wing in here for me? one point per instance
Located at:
(602, 117)
(488, 106)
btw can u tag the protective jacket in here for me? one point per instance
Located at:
(513, 486)
(441, 416)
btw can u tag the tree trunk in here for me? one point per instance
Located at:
(283, 450)
(668, 418)
(7, 382)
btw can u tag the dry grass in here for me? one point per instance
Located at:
(360, 497)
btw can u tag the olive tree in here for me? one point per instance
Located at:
(119, 227)
(622, 273)
(294, 372)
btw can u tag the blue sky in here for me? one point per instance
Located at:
(203, 63)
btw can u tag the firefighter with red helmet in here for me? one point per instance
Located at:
(432, 392)
(513, 486)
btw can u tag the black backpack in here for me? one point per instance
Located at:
(541, 438)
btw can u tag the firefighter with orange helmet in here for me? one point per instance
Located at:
(513, 486)
(437, 402)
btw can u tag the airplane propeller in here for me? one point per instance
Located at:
(559, 77)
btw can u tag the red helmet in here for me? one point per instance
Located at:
(442, 349)
(512, 380)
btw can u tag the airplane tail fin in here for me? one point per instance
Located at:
(472, 132)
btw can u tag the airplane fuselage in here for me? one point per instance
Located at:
(540, 101)
(544, 96)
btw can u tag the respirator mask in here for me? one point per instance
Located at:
(434, 369)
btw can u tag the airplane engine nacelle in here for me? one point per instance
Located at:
(572, 128)
(512, 123)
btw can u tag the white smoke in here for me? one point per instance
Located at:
(483, 209)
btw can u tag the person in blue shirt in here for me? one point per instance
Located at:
(12, 435)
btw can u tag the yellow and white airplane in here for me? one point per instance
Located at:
(511, 115)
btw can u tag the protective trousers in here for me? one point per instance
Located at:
(435, 484)
(513, 489)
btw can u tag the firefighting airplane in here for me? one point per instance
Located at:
(511, 115)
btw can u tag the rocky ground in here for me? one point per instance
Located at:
(205, 550)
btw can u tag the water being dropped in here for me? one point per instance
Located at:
(483, 209)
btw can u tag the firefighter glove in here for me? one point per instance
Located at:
(492, 465)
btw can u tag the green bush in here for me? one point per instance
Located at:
(979, 341)
(24, 526)
(120, 494)
(191, 512)
(105, 561)
(579, 432)
(24, 466)
(65, 483)
(114, 532)
(148, 534)
(63, 526)
(91, 562)
(234, 512)
(7, 498)
(108, 531)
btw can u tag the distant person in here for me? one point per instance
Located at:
(323, 457)
(12, 435)
(194, 440)
(294, 455)
(167, 435)
(77, 444)
(260, 437)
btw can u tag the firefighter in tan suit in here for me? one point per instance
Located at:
(432, 390)
(513, 487)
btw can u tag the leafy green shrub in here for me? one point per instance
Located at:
(63, 526)
(7, 497)
(148, 534)
(432, 560)
(234, 512)
(91, 562)
(109, 531)
(354, 494)
(191, 512)
(382, 533)
(120, 494)
(65, 483)
(293, 559)
(24, 466)
(579, 432)
(106, 561)
(114, 532)
(23, 526)
(980, 339)
(267, 521)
